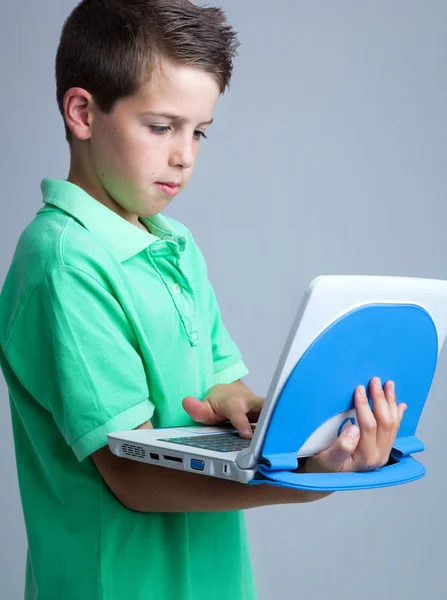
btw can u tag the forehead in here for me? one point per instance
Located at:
(182, 90)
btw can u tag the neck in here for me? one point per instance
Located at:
(82, 175)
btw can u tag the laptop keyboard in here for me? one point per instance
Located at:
(218, 442)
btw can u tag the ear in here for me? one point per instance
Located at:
(78, 112)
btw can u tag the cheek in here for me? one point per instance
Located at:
(143, 154)
(122, 156)
(108, 152)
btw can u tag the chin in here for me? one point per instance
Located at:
(152, 209)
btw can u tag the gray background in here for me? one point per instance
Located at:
(327, 156)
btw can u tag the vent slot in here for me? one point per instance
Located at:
(133, 451)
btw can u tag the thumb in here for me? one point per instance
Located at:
(201, 412)
(333, 459)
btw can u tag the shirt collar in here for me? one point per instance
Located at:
(123, 239)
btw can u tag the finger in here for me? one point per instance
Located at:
(381, 405)
(366, 448)
(201, 412)
(390, 395)
(386, 421)
(401, 407)
(334, 458)
(253, 404)
(236, 411)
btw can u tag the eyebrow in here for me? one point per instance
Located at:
(175, 117)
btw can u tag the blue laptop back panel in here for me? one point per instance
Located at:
(391, 341)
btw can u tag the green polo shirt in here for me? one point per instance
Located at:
(102, 327)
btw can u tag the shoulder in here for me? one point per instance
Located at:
(54, 247)
(55, 240)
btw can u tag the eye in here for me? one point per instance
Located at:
(198, 134)
(159, 129)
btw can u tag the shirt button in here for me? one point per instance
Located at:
(177, 289)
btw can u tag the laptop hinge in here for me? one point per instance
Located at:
(404, 446)
(280, 462)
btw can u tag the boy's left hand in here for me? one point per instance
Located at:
(368, 447)
(226, 402)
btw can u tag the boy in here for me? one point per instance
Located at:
(108, 322)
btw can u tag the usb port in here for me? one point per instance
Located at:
(154, 456)
(196, 464)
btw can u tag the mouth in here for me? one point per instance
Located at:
(170, 183)
(170, 188)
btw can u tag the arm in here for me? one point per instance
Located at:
(147, 488)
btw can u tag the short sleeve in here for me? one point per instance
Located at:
(75, 351)
(227, 359)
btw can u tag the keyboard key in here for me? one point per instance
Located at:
(219, 442)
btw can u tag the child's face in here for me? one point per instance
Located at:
(131, 149)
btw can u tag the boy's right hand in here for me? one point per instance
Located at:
(233, 402)
(369, 447)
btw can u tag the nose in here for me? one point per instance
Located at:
(183, 154)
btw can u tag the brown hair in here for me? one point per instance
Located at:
(110, 47)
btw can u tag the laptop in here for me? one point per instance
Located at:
(347, 330)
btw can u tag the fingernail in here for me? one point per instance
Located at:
(393, 387)
(378, 382)
(247, 432)
(352, 431)
(361, 390)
